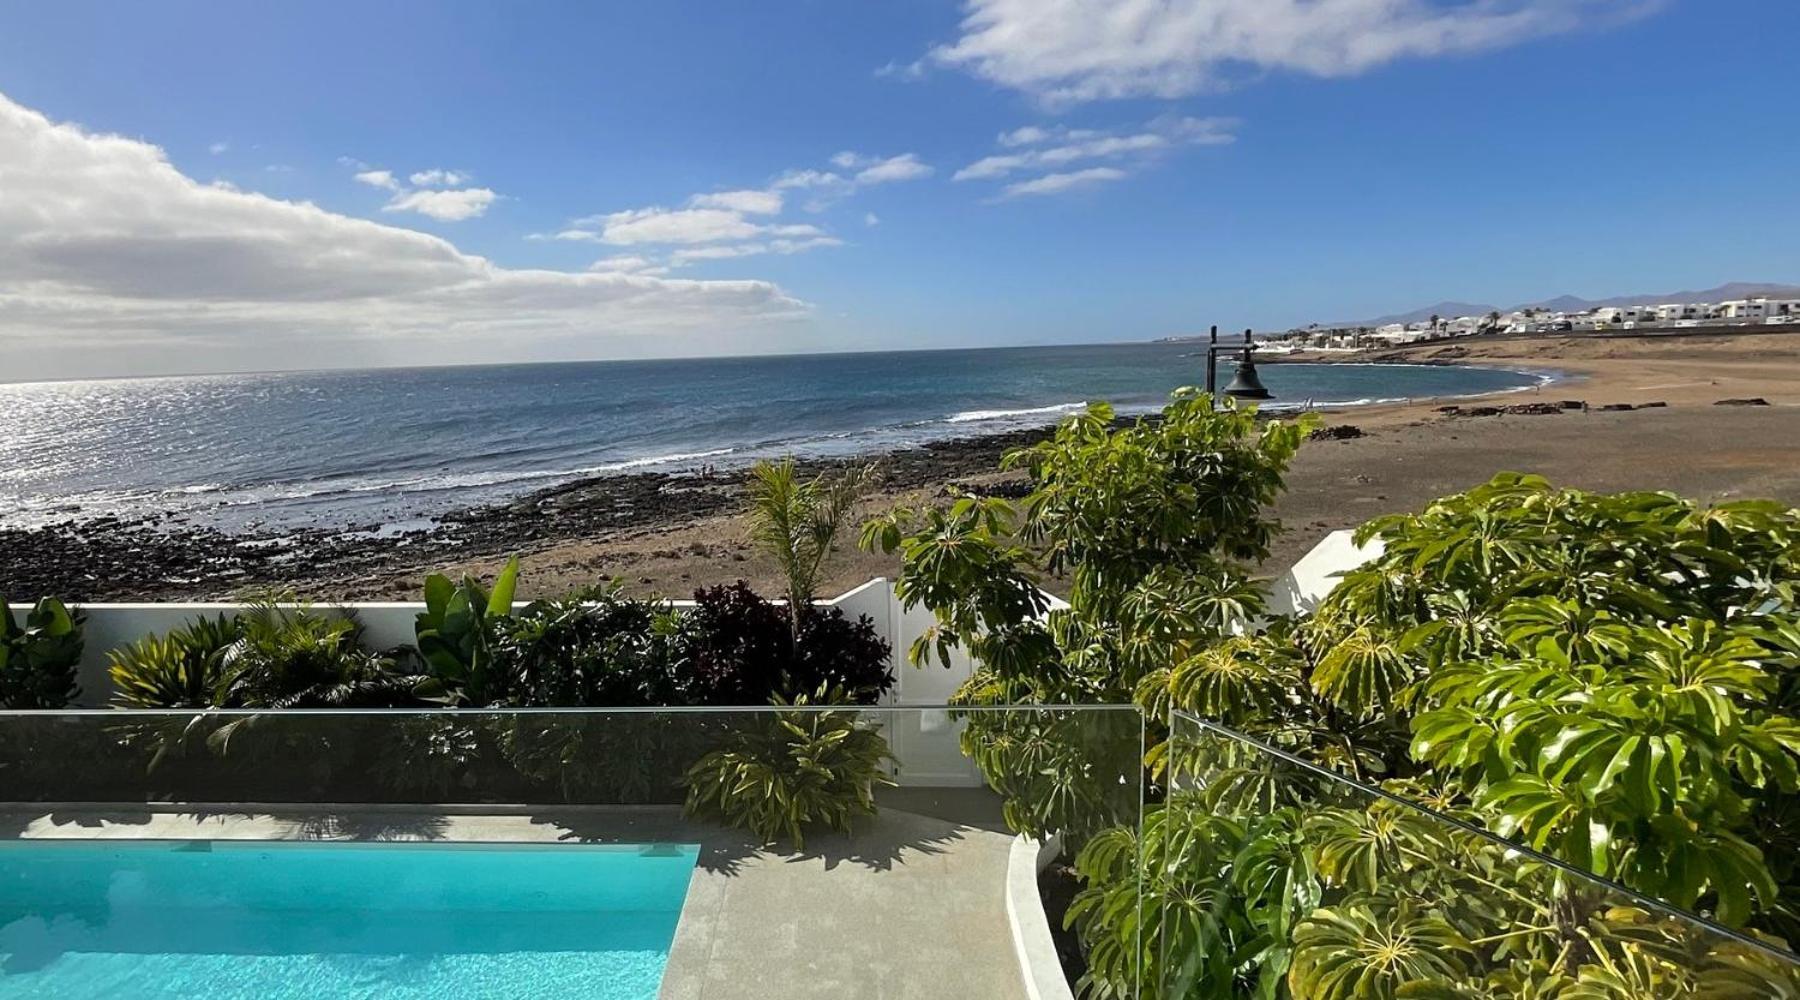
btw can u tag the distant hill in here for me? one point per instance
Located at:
(1445, 310)
(1572, 303)
(1730, 290)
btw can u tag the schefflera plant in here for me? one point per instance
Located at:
(1155, 525)
(1612, 680)
(1609, 679)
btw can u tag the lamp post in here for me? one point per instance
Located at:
(1244, 384)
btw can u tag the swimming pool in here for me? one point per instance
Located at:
(285, 920)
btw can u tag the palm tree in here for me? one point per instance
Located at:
(796, 520)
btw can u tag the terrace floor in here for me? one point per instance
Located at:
(911, 905)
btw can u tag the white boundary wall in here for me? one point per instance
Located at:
(1301, 588)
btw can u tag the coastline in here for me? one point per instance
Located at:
(672, 532)
(1542, 377)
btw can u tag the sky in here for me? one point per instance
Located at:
(192, 186)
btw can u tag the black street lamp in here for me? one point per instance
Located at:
(1244, 384)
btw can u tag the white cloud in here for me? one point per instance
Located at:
(750, 202)
(828, 187)
(433, 192)
(743, 222)
(799, 229)
(1052, 149)
(803, 179)
(1023, 136)
(871, 219)
(1058, 183)
(1076, 50)
(445, 206)
(682, 225)
(682, 258)
(905, 167)
(218, 148)
(1195, 131)
(109, 256)
(628, 264)
(716, 217)
(869, 170)
(438, 177)
(989, 167)
(383, 179)
(823, 188)
(897, 70)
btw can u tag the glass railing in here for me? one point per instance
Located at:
(853, 851)
(815, 851)
(1275, 877)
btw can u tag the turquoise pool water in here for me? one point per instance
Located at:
(277, 921)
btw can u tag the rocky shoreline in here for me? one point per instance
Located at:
(114, 559)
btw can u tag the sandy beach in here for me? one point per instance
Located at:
(669, 534)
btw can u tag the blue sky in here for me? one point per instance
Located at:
(1300, 166)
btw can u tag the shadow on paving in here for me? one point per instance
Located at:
(908, 828)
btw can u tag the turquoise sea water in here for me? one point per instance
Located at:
(276, 921)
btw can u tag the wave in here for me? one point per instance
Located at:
(971, 416)
(638, 463)
(277, 493)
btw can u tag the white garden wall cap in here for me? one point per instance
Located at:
(1039, 966)
(1305, 584)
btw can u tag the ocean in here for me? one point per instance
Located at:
(392, 448)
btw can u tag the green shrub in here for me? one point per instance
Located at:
(1186, 928)
(455, 637)
(1372, 900)
(182, 669)
(1607, 678)
(273, 655)
(431, 756)
(735, 648)
(1154, 524)
(1603, 677)
(796, 521)
(290, 656)
(784, 771)
(606, 758)
(38, 659)
(592, 649)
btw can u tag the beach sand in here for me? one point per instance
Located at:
(668, 535)
(1408, 455)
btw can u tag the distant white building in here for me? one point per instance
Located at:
(1675, 312)
(1754, 309)
(1535, 320)
(1620, 315)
